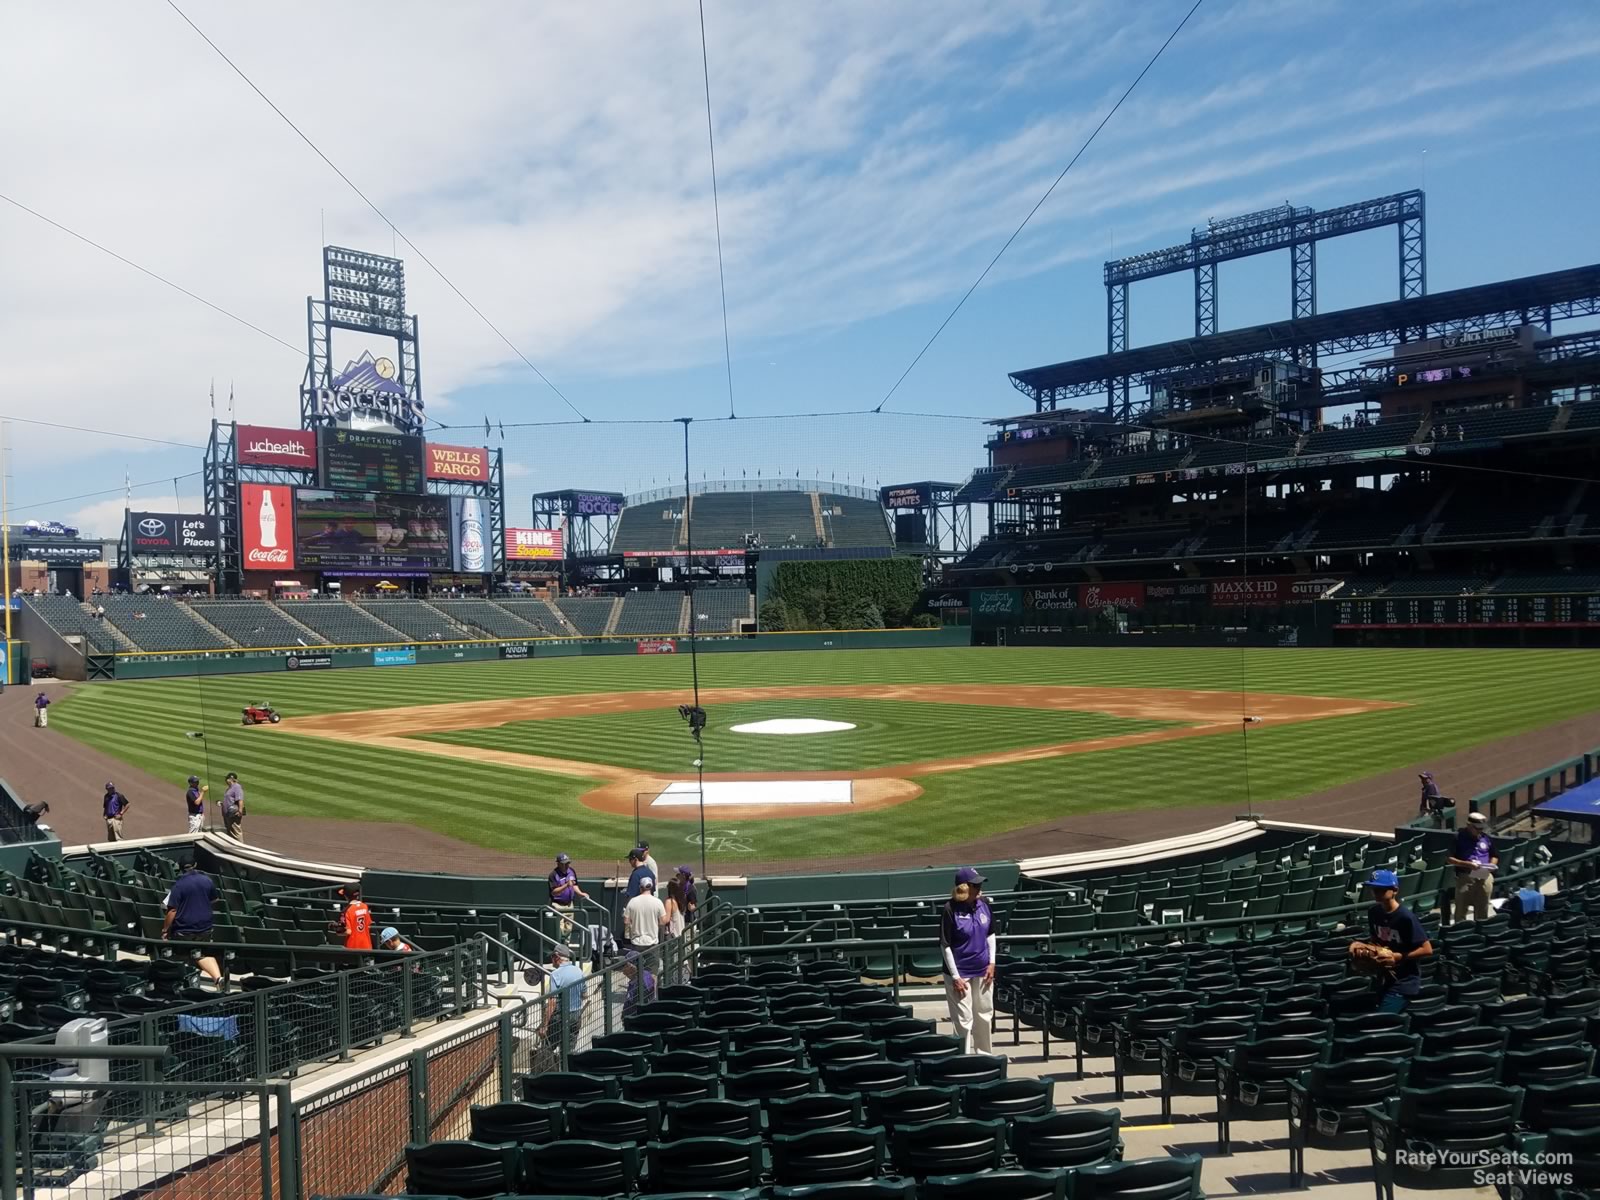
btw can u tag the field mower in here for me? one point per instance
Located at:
(259, 714)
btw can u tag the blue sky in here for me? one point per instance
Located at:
(552, 161)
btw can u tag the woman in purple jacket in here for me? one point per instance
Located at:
(966, 937)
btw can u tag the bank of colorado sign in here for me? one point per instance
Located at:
(463, 464)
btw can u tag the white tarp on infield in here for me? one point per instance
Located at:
(792, 726)
(727, 793)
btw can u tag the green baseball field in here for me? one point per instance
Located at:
(941, 746)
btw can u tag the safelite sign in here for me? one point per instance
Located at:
(266, 526)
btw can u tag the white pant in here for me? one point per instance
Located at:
(972, 1014)
(42, 719)
(196, 822)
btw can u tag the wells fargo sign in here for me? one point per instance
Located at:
(465, 464)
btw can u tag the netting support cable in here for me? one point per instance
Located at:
(716, 209)
(694, 658)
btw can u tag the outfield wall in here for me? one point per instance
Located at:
(153, 665)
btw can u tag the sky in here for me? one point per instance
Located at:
(551, 161)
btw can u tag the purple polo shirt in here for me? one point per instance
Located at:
(232, 798)
(563, 885)
(116, 802)
(965, 928)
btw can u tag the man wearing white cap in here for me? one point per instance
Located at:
(1475, 861)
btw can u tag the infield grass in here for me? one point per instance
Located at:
(1455, 699)
(886, 733)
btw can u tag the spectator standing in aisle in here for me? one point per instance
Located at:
(563, 1015)
(643, 918)
(41, 711)
(967, 940)
(674, 907)
(1396, 941)
(564, 892)
(641, 987)
(195, 800)
(116, 804)
(638, 872)
(691, 897)
(189, 918)
(356, 924)
(1475, 861)
(649, 860)
(233, 808)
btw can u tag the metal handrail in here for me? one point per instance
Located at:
(540, 934)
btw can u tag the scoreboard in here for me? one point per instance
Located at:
(1468, 612)
(365, 460)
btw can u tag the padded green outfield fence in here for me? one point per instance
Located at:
(179, 663)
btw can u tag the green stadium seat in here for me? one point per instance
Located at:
(571, 1167)
(956, 1146)
(772, 1084)
(1439, 1129)
(1066, 1138)
(563, 1087)
(461, 1168)
(613, 1121)
(515, 1121)
(814, 1110)
(1253, 1079)
(996, 1185)
(959, 1070)
(832, 1155)
(713, 1118)
(671, 1086)
(913, 1105)
(865, 1189)
(713, 1163)
(1007, 1099)
(1175, 1178)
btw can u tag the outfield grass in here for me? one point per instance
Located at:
(886, 733)
(1455, 699)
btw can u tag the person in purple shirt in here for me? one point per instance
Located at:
(966, 938)
(1475, 861)
(115, 805)
(41, 711)
(565, 892)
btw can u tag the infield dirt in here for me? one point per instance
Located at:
(1194, 714)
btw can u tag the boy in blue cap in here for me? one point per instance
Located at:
(1396, 940)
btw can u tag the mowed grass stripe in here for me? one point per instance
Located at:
(1456, 698)
(887, 732)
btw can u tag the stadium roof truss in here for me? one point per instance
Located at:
(1533, 299)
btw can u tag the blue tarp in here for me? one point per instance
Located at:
(1579, 802)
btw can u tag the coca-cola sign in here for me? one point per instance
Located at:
(266, 526)
(266, 446)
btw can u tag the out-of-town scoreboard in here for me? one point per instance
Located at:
(1468, 612)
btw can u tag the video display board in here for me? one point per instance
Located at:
(365, 460)
(374, 532)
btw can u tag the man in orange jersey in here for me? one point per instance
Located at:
(357, 922)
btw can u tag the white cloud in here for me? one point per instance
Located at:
(551, 159)
(103, 518)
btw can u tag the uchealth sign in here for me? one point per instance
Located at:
(464, 464)
(1268, 589)
(266, 526)
(267, 446)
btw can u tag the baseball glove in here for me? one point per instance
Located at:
(1367, 959)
